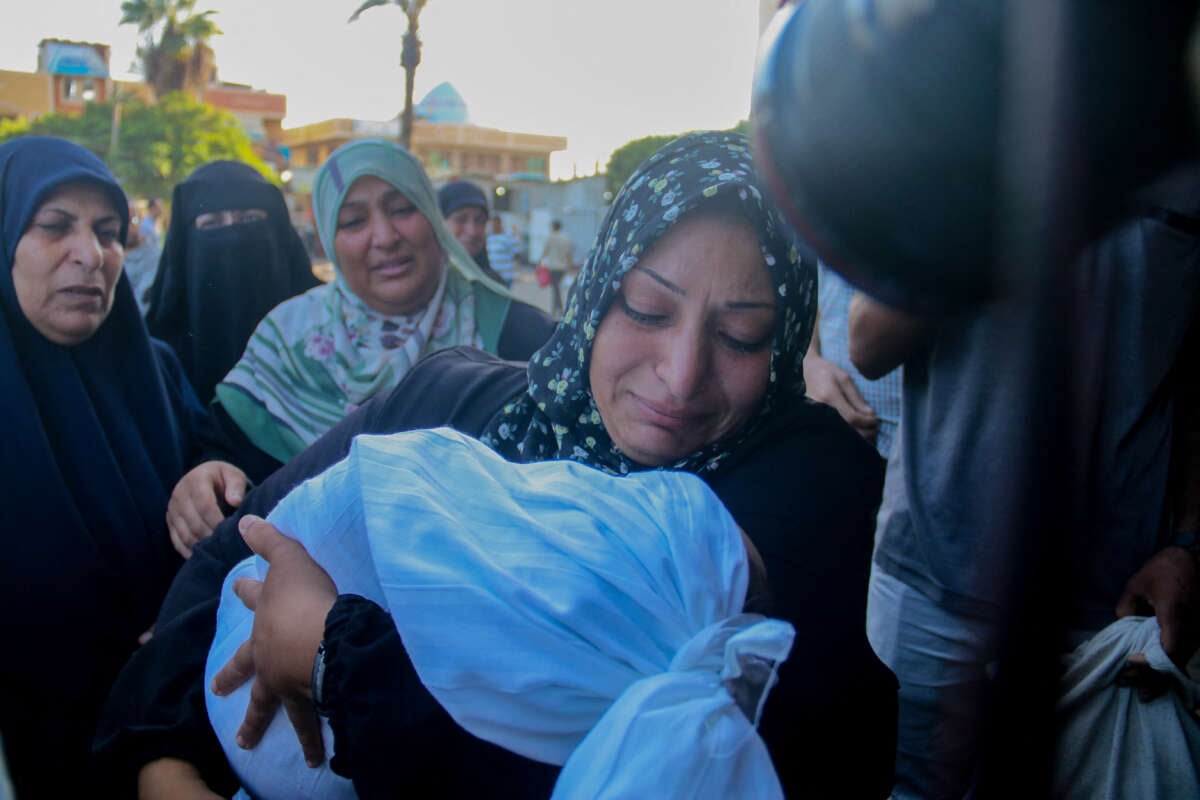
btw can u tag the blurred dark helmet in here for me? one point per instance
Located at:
(909, 142)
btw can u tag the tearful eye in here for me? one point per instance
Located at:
(640, 317)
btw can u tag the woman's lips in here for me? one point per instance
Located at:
(394, 268)
(83, 294)
(666, 415)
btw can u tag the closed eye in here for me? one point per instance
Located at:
(640, 317)
(742, 346)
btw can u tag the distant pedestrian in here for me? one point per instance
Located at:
(504, 250)
(141, 259)
(150, 226)
(558, 256)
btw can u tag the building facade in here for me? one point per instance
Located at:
(71, 74)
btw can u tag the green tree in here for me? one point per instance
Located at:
(174, 51)
(626, 158)
(629, 156)
(410, 56)
(159, 144)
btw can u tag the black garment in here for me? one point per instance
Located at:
(95, 435)
(525, 329)
(805, 491)
(214, 286)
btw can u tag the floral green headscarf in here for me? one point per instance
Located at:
(317, 357)
(557, 417)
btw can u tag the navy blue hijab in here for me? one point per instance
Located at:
(95, 437)
(214, 286)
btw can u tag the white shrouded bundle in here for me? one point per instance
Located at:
(573, 617)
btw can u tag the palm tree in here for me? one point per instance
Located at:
(410, 57)
(174, 51)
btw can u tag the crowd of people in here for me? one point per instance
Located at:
(721, 524)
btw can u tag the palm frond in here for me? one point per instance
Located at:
(372, 4)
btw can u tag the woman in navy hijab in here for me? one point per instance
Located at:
(98, 426)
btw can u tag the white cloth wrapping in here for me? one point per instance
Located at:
(535, 601)
(1112, 746)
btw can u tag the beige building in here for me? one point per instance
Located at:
(442, 137)
(71, 74)
(444, 148)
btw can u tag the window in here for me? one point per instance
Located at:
(78, 90)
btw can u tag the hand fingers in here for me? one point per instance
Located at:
(178, 542)
(189, 522)
(236, 671)
(853, 395)
(262, 537)
(259, 713)
(307, 725)
(1131, 604)
(210, 516)
(234, 481)
(1148, 682)
(146, 635)
(249, 590)
(1169, 623)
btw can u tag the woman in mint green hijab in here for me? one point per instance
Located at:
(404, 287)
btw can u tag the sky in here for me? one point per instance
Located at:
(599, 72)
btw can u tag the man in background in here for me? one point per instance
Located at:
(558, 256)
(504, 250)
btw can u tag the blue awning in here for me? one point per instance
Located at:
(76, 59)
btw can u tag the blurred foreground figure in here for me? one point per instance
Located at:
(942, 564)
(953, 160)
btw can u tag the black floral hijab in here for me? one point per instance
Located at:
(557, 417)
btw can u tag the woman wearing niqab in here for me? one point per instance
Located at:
(214, 285)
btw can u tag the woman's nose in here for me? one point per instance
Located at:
(86, 251)
(384, 233)
(683, 366)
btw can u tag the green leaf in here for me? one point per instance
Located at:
(373, 4)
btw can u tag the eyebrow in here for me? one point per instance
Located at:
(738, 305)
(62, 212)
(387, 198)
